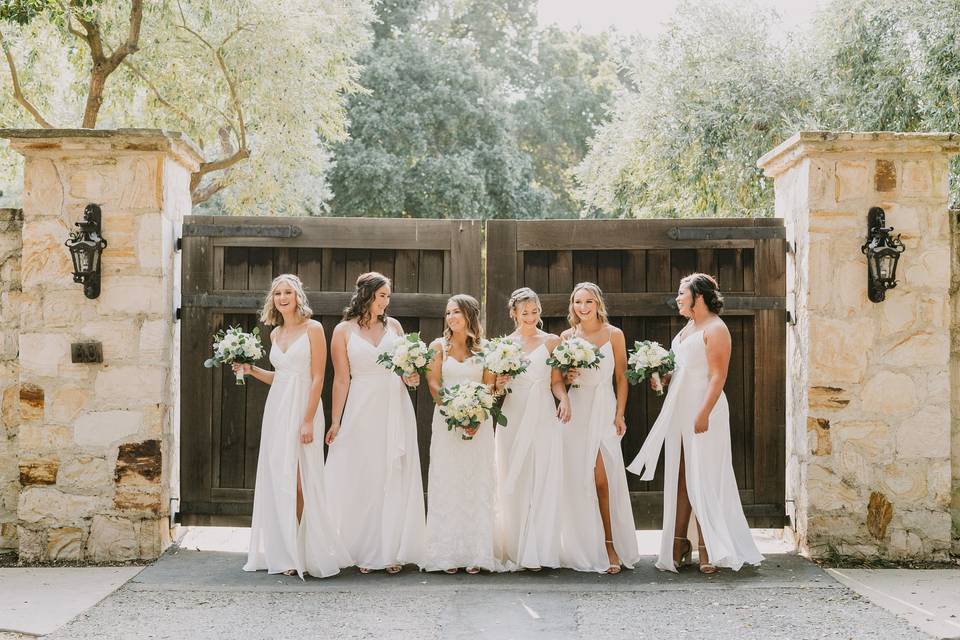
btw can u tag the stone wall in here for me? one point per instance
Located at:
(955, 376)
(97, 442)
(869, 397)
(11, 221)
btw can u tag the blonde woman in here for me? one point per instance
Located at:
(462, 478)
(530, 447)
(598, 529)
(292, 531)
(373, 470)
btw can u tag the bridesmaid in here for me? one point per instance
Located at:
(462, 478)
(292, 531)
(530, 448)
(373, 470)
(693, 429)
(598, 528)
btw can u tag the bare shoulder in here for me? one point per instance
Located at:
(566, 334)
(717, 332)
(393, 323)
(551, 340)
(616, 336)
(437, 344)
(315, 329)
(274, 332)
(343, 329)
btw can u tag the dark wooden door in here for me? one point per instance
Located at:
(638, 264)
(228, 264)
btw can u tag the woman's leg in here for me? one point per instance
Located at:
(684, 509)
(603, 497)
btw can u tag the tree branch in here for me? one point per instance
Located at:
(103, 66)
(18, 90)
(156, 93)
(202, 195)
(217, 165)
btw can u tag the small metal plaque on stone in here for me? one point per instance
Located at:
(86, 352)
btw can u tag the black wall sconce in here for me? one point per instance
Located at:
(883, 252)
(85, 246)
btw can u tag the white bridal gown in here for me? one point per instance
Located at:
(461, 486)
(373, 466)
(277, 542)
(591, 431)
(530, 471)
(711, 483)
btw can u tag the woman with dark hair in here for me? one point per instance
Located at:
(693, 429)
(462, 478)
(373, 467)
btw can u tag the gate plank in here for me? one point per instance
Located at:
(502, 275)
(584, 266)
(310, 267)
(609, 271)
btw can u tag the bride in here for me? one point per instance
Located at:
(291, 530)
(693, 428)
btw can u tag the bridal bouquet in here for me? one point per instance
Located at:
(467, 405)
(504, 356)
(575, 353)
(649, 359)
(408, 356)
(235, 346)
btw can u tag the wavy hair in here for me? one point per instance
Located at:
(470, 309)
(706, 287)
(366, 288)
(595, 291)
(269, 314)
(518, 297)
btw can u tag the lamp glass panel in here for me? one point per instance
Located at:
(887, 263)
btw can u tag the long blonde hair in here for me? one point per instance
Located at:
(595, 291)
(470, 309)
(269, 314)
(518, 297)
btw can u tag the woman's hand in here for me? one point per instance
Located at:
(621, 426)
(411, 380)
(306, 431)
(563, 410)
(570, 376)
(332, 433)
(664, 381)
(501, 383)
(701, 424)
(238, 367)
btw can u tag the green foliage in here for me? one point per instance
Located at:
(430, 138)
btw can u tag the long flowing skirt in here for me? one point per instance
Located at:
(278, 542)
(530, 474)
(373, 475)
(590, 433)
(461, 494)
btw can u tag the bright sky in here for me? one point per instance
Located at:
(647, 16)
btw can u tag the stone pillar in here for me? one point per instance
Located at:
(869, 394)
(97, 442)
(11, 220)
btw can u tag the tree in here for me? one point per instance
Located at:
(431, 137)
(261, 88)
(711, 95)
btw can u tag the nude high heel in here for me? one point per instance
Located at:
(686, 556)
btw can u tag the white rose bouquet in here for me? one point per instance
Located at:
(408, 356)
(575, 353)
(235, 346)
(649, 360)
(467, 405)
(504, 356)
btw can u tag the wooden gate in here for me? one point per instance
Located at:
(228, 264)
(638, 265)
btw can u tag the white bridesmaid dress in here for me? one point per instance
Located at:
(591, 431)
(461, 486)
(708, 465)
(373, 466)
(277, 542)
(530, 471)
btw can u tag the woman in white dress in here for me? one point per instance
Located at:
(693, 429)
(373, 466)
(462, 482)
(598, 529)
(530, 448)
(291, 530)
